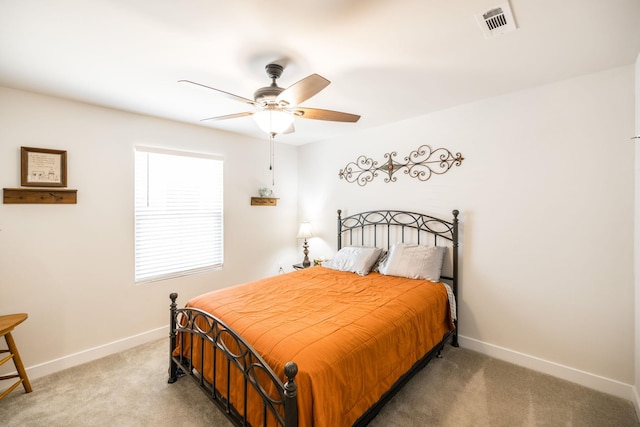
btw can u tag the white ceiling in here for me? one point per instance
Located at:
(387, 60)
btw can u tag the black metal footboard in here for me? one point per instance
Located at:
(201, 329)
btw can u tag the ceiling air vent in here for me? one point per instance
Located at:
(496, 21)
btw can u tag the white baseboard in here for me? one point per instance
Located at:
(88, 355)
(596, 382)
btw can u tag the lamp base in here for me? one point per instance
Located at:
(306, 262)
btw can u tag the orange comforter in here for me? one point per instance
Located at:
(352, 337)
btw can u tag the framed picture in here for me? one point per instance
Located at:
(42, 167)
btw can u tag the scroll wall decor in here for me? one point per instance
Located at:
(421, 163)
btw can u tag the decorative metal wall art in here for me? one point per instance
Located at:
(421, 163)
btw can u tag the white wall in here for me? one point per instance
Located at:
(71, 267)
(546, 199)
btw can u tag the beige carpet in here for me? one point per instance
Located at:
(462, 389)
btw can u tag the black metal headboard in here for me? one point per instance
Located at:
(383, 228)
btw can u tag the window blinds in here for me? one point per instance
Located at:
(178, 213)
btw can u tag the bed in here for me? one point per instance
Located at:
(327, 345)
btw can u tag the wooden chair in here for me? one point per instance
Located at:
(7, 323)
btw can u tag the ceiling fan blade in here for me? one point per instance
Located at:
(318, 114)
(227, 94)
(299, 92)
(229, 116)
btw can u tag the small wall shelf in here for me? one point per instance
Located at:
(42, 196)
(264, 201)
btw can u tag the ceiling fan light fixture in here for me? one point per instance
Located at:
(278, 107)
(273, 121)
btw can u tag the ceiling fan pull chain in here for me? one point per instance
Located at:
(272, 158)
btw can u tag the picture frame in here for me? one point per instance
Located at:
(42, 167)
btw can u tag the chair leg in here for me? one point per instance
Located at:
(18, 362)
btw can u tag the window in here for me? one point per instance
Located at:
(178, 213)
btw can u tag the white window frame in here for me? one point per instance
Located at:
(179, 218)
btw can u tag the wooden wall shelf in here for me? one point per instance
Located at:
(39, 195)
(264, 201)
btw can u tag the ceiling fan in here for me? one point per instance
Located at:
(277, 108)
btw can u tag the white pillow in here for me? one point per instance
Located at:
(414, 262)
(354, 259)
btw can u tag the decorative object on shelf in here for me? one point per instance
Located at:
(305, 233)
(41, 167)
(421, 163)
(265, 192)
(39, 196)
(265, 198)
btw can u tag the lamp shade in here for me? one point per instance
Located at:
(305, 231)
(272, 120)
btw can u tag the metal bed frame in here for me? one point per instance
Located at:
(373, 228)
